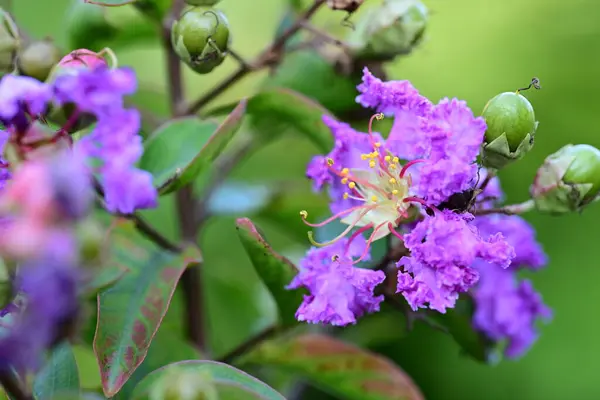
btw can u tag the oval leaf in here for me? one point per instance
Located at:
(275, 270)
(231, 383)
(276, 110)
(130, 312)
(181, 149)
(58, 376)
(339, 368)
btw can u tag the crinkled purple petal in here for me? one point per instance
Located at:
(442, 250)
(507, 309)
(339, 292)
(19, 91)
(127, 190)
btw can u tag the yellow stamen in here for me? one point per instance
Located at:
(379, 116)
(346, 195)
(329, 161)
(395, 192)
(392, 181)
(364, 156)
(392, 166)
(396, 160)
(352, 185)
(304, 214)
(375, 154)
(335, 258)
(345, 171)
(372, 164)
(377, 144)
(387, 158)
(374, 199)
(344, 181)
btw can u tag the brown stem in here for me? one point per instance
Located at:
(266, 58)
(175, 81)
(513, 209)
(249, 344)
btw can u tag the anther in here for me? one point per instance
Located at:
(374, 199)
(372, 164)
(377, 144)
(352, 185)
(387, 158)
(344, 181)
(304, 214)
(364, 156)
(379, 116)
(345, 171)
(335, 258)
(393, 181)
(329, 161)
(346, 195)
(396, 160)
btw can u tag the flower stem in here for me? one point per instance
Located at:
(249, 344)
(512, 209)
(271, 54)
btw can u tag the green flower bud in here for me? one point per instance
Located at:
(9, 43)
(180, 383)
(38, 58)
(568, 180)
(201, 38)
(202, 2)
(392, 29)
(511, 127)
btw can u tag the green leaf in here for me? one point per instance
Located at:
(275, 270)
(155, 9)
(110, 3)
(275, 111)
(458, 322)
(332, 89)
(181, 149)
(339, 368)
(231, 383)
(104, 277)
(59, 374)
(130, 312)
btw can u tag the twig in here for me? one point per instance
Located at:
(490, 175)
(239, 59)
(323, 35)
(13, 387)
(265, 59)
(175, 83)
(512, 209)
(143, 226)
(222, 169)
(249, 344)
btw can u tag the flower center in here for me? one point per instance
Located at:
(383, 189)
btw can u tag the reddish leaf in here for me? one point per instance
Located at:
(337, 367)
(130, 312)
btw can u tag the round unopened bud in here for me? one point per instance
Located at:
(38, 58)
(82, 58)
(511, 127)
(9, 43)
(391, 29)
(179, 383)
(568, 180)
(202, 2)
(201, 38)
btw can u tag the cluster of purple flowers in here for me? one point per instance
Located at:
(398, 187)
(46, 189)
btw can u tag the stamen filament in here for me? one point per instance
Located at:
(368, 245)
(408, 165)
(341, 235)
(304, 214)
(355, 235)
(393, 231)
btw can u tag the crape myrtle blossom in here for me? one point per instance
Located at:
(507, 308)
(376, 186)
(111, 148)
(339, 293)
(39, 208)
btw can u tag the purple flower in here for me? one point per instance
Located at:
(442, 250)
(519, 234)
(5, 174)
(339, 292)
(21, 93)
(507, 309)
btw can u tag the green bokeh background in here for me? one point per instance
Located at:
(474, 50)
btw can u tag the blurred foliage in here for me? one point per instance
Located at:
(474, 49)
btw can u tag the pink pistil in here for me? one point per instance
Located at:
(408, 165)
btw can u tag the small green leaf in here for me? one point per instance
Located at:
(275, 111)
(59, 374)
(230, 382)
(104, 277)
(339, 368)
(275, 270)
(458, 321)
(181, 149)
(130, 312)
